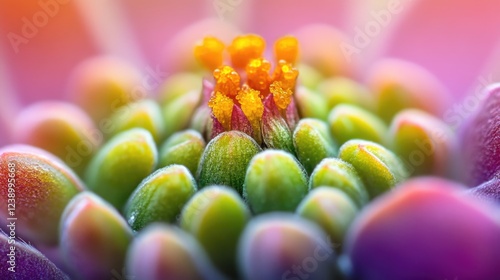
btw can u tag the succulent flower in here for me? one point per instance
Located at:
(182, 134)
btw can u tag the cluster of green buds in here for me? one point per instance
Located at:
(250, 170)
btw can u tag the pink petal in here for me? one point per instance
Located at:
(276, 18)
(39, 63)
(452, 39)
(156, 22)
(240, 122)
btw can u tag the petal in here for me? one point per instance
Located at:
(438, 35)
(35, 184)
(426, 229)
(155, 22)
(488, 190)
(37, 65)
(480, 141)
(27, 262)
(280, 17)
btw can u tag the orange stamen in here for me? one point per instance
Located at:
(245, 48)
(210, 52)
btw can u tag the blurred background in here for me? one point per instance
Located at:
(41, 42)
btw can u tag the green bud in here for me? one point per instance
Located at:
(423, 141)
(225, 160)
(35, 184)
(145, 114)
(160, 197)
(311, 104)
(275, 181)
(177, 114)
(342, 90)
(313, 143)
(216, 216)
(350, 122)
(59, 128)
(341, 175)
(276, 133)
(183, 148)
(285, 246)
(309, 76)
(379, 168)
(330, 208)
(171, 254)
(93, 237)
(121, 165)
(104, 84)
(178, 85)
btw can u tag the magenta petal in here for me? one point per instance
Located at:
(425, 229)
(217, 127)
(481, 140)
(452, 39)
(292, 115)
(240, 122)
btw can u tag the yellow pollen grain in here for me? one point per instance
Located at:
(251, 104)
(282, 96)
(258, 74)
(286, 74)
(227, 81)
(245, 48)
(222, 108)
(210, 52)
(286, 48)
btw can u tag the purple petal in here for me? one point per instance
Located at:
(481, 140)
(217, 127)
(488, 190)
(25, 262)
(425, 229)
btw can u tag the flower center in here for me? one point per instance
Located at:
(250, 78)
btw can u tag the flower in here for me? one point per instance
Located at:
(330, 123)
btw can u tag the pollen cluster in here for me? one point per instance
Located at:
(249, 78)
